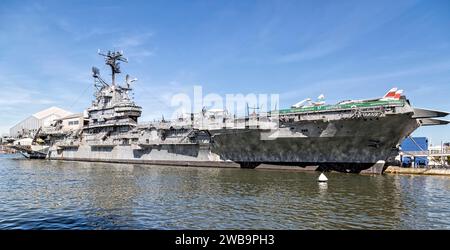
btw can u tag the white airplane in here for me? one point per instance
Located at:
(301, 103)
(392, 94)
(320, 101)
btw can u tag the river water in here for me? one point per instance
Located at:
(40, 194)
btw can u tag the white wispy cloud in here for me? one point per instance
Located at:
(312, 52)
(80, 34)
(13, 94)
(17, 102)
(20, 97)
(135, 44)
(132, 40)
(155, 98)
(357, 22)
(361, 80)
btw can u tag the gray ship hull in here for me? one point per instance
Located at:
(340, 141)
(342, 145)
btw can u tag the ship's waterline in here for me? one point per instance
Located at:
(80, 195)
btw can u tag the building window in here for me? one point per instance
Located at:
(73, 123)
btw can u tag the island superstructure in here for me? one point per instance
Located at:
(351, 136)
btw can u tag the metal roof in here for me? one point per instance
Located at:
(51, 111)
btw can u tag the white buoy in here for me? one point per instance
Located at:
(322, 178)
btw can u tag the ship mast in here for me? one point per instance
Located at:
(111, 59)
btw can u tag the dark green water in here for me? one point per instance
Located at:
(72, 195)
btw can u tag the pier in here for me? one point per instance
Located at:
(418, 171)
(6, 150)
(438, 157)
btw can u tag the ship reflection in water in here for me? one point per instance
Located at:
(77, 195)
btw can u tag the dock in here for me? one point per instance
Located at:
(6, 150)
(418, 171)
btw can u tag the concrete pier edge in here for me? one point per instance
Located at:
(417, 171)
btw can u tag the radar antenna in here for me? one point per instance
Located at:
(111, 59)
(99, 82)
(128, 80)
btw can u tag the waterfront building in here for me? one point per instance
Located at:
(71, 122)
(31, 124)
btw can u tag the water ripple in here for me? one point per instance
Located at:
(74, 195)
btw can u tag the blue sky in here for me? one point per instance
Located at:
(298, 49)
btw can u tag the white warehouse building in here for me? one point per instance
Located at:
(41, 119)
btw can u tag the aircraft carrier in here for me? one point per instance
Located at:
(354, 136)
